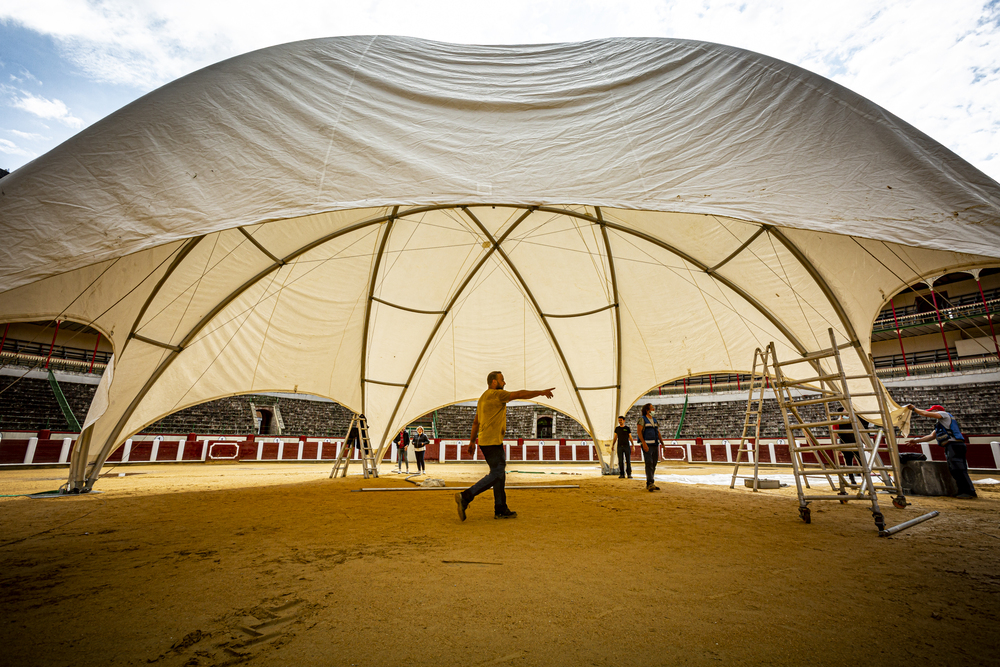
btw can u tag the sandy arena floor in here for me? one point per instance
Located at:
(274, 564)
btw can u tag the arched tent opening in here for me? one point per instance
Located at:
(390, 219)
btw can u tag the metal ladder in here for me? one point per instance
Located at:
(831, 385)
(755, 407)
(369, 467)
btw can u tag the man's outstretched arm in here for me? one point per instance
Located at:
(527, 394)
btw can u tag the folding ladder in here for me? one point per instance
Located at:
(369, 467)
(759, 379)
(830, 382)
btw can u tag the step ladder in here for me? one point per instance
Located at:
(369, 466)
(826, 377)
(760, 378)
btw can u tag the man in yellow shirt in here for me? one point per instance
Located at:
(489, 426)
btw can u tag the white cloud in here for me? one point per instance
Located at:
(25, 75)
(46, 108)
(31, 136)
(10, 148)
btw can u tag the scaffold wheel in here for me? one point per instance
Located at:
(843, 493)
(805, 514)
(899, 502)
(879, 521)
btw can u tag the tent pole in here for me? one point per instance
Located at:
(185, 250)
(618, 323)
(78, 460)
(368, 308)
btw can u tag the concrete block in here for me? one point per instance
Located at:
(928, 478)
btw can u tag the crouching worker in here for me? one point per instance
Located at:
(948, 435)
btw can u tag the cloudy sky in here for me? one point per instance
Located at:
(65, 64)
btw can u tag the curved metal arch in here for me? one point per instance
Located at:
(589, 312)
(368, 306)
(818, 278)
(169, 359)
(437, 325)
(618, 311)
(185, 251)
(538, 311)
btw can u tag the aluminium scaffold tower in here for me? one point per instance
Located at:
(760, 377)
(810, 457)
(369, 466)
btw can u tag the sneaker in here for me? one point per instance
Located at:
(507, 514)
(630, 476)
(461, 506)
(656, 488)
(650, 488)
(621, 476)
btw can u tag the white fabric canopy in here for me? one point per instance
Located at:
(383, 221)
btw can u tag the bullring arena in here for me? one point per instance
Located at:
(201, 292)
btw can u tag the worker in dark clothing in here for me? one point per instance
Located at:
(650, 439)
(949, 436)
(623, 439)
(354, 437)
(402, 442)
(846, 435)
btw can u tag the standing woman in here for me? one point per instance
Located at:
(420, 443)
(648, 430)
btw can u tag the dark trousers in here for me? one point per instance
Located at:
(650, 458)
(959, 468)
(624, 459)
(851, 459)
(420, 459)
(496, 479)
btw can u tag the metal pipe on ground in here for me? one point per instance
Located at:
(907, 524)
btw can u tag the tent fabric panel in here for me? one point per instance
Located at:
(283, 237)
(564, 264)
(473, 341)
(105, 295)
(708, 239)
(131, 372)
(589, 344)
(217, 267)
(360, 122)
(773, 276)
(218, 363)
(426, 257)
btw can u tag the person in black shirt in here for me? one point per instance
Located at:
(623, 438)
(402, 442)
